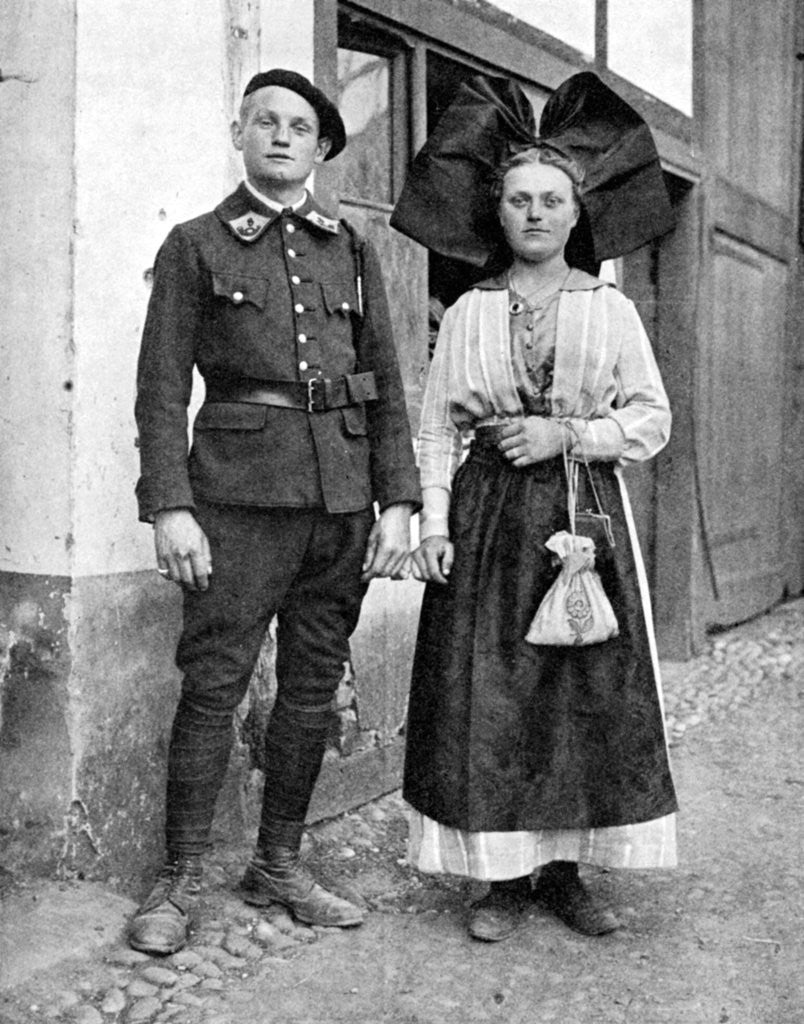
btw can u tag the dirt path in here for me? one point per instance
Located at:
(715, 942)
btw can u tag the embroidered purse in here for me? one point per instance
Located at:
(575, 610)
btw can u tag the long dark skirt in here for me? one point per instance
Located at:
(506, 736)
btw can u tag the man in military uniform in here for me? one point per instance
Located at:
(303, 429)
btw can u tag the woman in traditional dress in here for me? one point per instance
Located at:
(520, 757)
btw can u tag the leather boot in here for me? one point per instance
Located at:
(162, 922)
(499, 913)
(560, 889)
(277, 875)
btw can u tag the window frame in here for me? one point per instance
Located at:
(481, 34)
(368, 38)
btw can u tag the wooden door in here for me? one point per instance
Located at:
(741, 396)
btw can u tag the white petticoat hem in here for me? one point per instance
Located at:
(493, 856)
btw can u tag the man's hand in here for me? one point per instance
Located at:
(182, 548)
(432, 560)
(388, 548)
(532, 439)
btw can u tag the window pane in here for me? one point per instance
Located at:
(364, 100)
(650, 44)
(571, 21)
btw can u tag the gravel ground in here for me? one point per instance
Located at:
(716, 941)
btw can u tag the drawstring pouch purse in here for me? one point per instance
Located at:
(575, 610)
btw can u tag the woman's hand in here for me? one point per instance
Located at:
(432, 560)
(532, 439)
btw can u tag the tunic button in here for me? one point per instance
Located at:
(237, 296)
(299, 307)
(302, 338)
(292, 253)
(344, 305)
(295, 279)
(302, 365)
(289, 228)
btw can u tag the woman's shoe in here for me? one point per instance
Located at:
(499, 913)
(563, 892)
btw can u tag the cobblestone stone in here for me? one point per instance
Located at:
(238, 945)
(189, 980)
(220, 957)
(160, 976)
(113, 1002)
(207, 969)
(140, 989)
(143, 1010)
(212, 985)
(86, 1015)
(170, 1012)
(127, 957)
(185, 959)
(738, 667)
(187, 999)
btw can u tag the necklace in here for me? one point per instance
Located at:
(529, 303)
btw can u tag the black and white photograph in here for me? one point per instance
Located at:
(401, 512)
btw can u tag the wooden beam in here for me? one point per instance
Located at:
(325, 75)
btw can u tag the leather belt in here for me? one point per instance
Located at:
(317, 395)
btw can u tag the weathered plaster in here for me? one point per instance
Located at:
(287, 35)
(36, 207)
(35, 748)
(123, 691)
(151, 137)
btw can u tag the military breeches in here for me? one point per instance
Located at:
(302, 565)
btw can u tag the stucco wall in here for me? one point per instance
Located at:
(150, 151)
(36, 359)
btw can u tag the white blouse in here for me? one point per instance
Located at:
(605, 380)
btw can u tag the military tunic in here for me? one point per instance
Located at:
(247, 293)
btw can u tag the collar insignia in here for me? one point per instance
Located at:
(325, 223)
(249, 227)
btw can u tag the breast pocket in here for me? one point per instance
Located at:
(340, 299)
(238, 290)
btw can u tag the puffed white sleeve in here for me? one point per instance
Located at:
(439, 440)
(638, 425)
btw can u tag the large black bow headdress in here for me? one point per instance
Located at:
(444, 203)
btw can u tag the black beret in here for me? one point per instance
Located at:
(329, 120)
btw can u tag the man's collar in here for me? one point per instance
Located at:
(272, 204)
(248, 215)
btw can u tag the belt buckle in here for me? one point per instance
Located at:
(316, 400)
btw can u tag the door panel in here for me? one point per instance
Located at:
(740, 397)
(751, 140)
